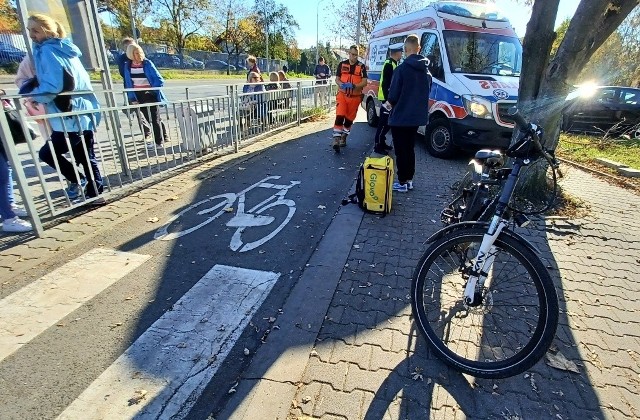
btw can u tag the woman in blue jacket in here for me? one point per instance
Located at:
(58, 68)
(140, 73)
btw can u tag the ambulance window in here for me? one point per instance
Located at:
(431, 50)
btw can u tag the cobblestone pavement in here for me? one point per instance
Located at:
(368, 350)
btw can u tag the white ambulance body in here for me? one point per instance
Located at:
(476, 59)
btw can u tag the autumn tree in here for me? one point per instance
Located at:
(546, 81)
(8, 17)
(240, 30)
(277, 21)
(120, 14)
(185, 17)
(345, 16)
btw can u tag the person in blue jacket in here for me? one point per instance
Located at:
(122, 61)
(141, 73)
(409, 100)
(58, 69)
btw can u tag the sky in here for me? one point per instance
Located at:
(306, 14)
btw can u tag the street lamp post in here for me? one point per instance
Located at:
(359, 23)
(318, 30)
(266, 24)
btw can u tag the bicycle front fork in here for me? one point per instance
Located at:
(483, 263)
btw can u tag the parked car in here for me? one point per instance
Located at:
(165, 60)
(191, 63)
(10, 54)
(603, 108)
(219, 65)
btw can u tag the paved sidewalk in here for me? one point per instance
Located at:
(367, 351)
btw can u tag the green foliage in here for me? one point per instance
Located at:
(585, 149)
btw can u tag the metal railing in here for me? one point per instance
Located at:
(126, 150)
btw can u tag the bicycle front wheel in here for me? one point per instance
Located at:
(513, 319)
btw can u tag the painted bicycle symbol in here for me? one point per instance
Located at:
(178, 225)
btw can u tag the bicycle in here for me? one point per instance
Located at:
(243, 219)
(480, 294)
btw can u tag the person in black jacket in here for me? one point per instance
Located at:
(395, 53)
(409, 99)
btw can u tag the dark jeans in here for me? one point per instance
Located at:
(152, 114)
(404, 141)
(90, 166)
(381, 133)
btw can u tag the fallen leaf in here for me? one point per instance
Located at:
(321, 207)
(182, 345)
(272, 320)
(240, 168)
(558, 361)
(174, 198)
(294, 404)
(306, 399)
(246, 351)
(138, 396)
(153, 220)
(229, 209)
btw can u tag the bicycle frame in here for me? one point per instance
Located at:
(486, 254)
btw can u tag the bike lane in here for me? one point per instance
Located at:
(235, 264)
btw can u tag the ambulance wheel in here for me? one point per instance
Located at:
(372, 117)
(439, 139)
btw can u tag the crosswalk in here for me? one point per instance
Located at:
(161, 374)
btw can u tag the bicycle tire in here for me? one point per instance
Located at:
(163, 233)
(514, 351)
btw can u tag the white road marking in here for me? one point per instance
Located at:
(163, 373)
(34, 308)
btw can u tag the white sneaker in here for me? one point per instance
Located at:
(19, 211)
(16, 225)
(410, 184)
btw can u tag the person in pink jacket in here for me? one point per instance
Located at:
(27, 71)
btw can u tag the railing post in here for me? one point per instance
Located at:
(235, 131)
(16, 165)
(299, 92)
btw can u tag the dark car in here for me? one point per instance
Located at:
(603, 109)
(165, 60)
(10, 54)
(219, 65)
(191, 63)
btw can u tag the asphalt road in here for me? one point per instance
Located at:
(47, 374)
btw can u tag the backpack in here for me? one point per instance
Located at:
(374, 185)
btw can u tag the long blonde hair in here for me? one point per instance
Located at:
(51, 27)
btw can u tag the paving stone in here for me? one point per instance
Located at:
(346, 404)
(328, 373)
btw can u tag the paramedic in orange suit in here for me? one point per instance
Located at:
(351, 78)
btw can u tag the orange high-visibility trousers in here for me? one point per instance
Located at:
(346, 107)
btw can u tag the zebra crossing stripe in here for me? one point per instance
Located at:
(162, 374)
(34, 308)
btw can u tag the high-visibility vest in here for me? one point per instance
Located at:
(347, 77)
(394, 64)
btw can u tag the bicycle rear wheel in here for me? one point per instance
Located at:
(510, 328)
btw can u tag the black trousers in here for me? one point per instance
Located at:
(151, 113)
(404, 141)
(381, 132)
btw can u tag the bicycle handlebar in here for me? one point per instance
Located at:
(533, 132)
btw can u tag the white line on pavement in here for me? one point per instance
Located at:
(165, 370)
(34, 308)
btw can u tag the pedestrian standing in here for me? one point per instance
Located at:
(122, 61)
(351, 78)
(252, 65)
(322, 73)
(380, 142)
(58, 70)
(141, 73)
(409, 99)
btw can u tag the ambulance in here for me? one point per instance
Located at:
(475, 60)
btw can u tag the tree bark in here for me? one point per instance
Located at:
(544, 86)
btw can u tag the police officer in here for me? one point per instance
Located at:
(395, 53)
(351, 78)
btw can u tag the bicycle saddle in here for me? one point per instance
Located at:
(490, 158)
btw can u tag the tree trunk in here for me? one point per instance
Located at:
(543, 88)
